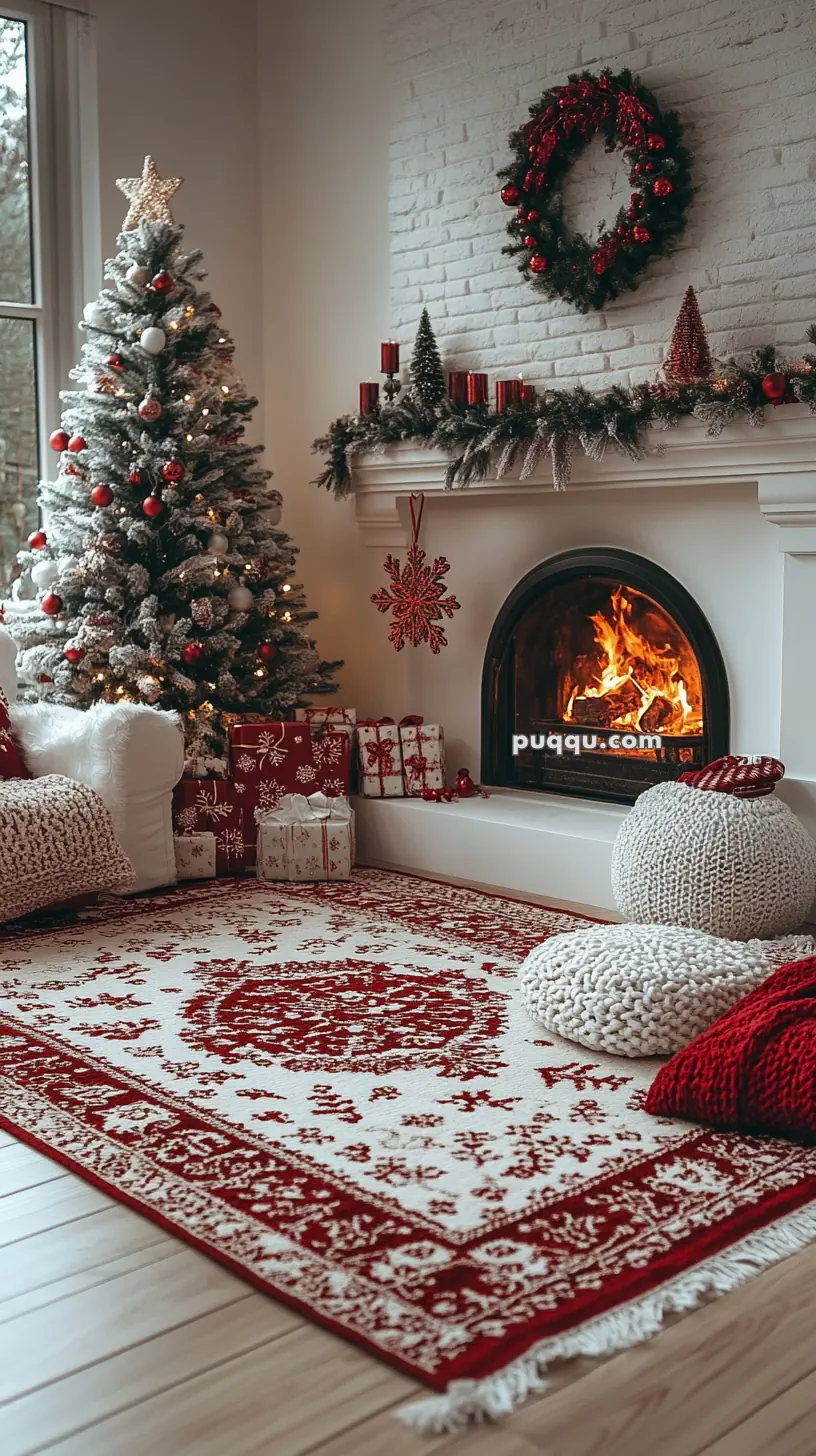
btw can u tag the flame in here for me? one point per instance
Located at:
(638, 673)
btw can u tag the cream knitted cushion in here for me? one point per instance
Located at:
(729, 866)
(644, 990)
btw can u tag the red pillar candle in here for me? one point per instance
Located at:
(458, 385)
(389, 357)
(369, 395)
(477, 388)
(508, 392)
(529, 394)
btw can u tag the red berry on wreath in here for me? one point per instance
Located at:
(101, 495)
(76, 443)
(641, 234)
(655, 142)
(74, 654)
(114, 362)
(193, 653)
(52, 604)
(162, 282)
(37, 540)
(152, 506)
(538, 263)
(173, 471)
(510, 195)
(773, 387)
(268, 651)
(662, 187)
(59, 440)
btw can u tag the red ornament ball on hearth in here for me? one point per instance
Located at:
(173, 471)
(37, 540)
(641, 234)
(77, 443)
(510, 195)
(538, 263)
(152, 506)
(74, 654)
(773, 387)
(655, 142)
(193, 653)
(162, 282)
(662, 187)
(59, 440)
(52, 604)
(101, 495)
(465, 786)
(114, 362)
(268, 651)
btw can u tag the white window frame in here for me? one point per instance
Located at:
(64, 180)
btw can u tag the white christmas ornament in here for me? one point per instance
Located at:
(67, 565)
(218, 543)
(240, 598)
(153, 340)
(95, 315)
(272, 515)
(137, 277)
(45, 573)
(23, 589)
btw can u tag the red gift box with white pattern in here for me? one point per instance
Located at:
(215, 806)
(272, 759)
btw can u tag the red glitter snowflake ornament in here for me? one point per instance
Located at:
(416, 598)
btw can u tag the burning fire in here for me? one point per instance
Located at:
(634, 680)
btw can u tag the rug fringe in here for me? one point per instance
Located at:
(468, 1401)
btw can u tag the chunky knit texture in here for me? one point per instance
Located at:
(734, 867)
(754, 1070)
(57, 842)
(643, 990)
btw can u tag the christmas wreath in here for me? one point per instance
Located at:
(562, 263)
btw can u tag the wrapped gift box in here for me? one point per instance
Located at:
(423, 756)
(380, 759)
(306, 839)
(270, 760)
(214, 806)
(195, 856)
(340, 720)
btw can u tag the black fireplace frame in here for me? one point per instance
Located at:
(499, 767)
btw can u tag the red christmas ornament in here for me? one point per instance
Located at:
(538, 263)
(416, 599)
(532, 215)
(173, 471)
(72, 469)
(74, 654)
(193, 653)
(662, 187)
(655, 142)
(135, 477)
(447, 795)
(37, 540)
(773, 387)
(268, 651)
(510, 195)
(429, 795)
(530, 241)
(101, 495)
(152, 506)
(162, 282)
(52, 604)
(641, 234)
(59, 440)
(149, 409)
(76, 443)
(465, 786)
(522, 214)
(114, 362)
(689, 357)
(44, 678)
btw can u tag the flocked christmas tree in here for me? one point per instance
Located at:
(161, 573)
(427, 377)
(689, 357)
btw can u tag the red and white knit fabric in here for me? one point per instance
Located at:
(745, 778)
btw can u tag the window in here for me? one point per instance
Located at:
(46, 138)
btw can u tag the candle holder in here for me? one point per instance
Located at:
(508, 392)
(477, 388)
(458, 385)
(369, 396)
(389, 366)
(529, 394)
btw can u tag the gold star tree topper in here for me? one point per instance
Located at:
(148, 195)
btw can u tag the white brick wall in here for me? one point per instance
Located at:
(741, 74)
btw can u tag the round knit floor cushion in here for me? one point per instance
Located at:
(644, 990)
(732, 867)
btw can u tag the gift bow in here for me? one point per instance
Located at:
(380, 754)
(298, 809)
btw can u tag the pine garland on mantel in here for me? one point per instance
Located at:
(560, 422)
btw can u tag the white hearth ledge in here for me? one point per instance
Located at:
(779, 458)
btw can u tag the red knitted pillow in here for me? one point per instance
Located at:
(12, 763)
(754, 1069)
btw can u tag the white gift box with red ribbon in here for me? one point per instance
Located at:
(306, 839)
(195, 856)
(380, 756)
(339, 720)
(423, 755)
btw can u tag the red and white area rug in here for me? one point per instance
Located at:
(336, 1090)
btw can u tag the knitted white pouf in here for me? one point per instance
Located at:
(732, 867)
(644, 990)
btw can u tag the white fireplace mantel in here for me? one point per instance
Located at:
(780, 458)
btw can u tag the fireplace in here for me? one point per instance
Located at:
(604, 652)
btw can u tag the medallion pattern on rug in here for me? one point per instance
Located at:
(337, 1090)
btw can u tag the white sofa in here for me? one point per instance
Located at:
(132, 755)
